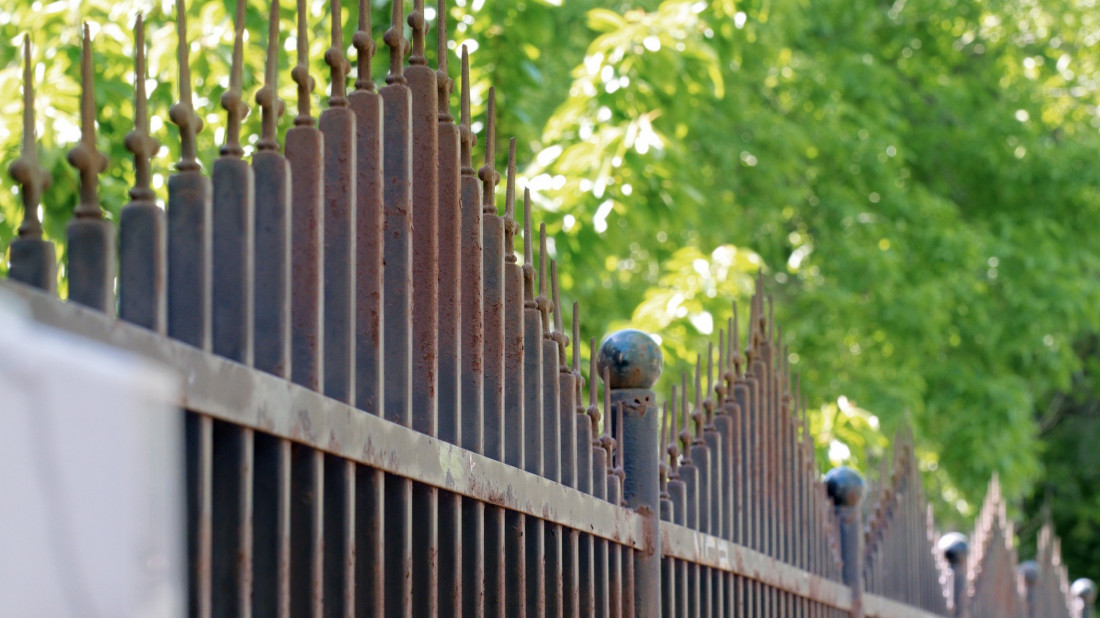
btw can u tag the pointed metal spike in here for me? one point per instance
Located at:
(443, 78)
(231, 99)
(26, 170)
(488, 173)
(271, 106)
(466, 133)
(576, 337)
(510, 206)
(138, 141)
(365, 48)
(395, 40)
(300, 73)
(592, 375)
(419, 27)
(84, 157)
(607, 406)
(182, 114)
(528, 250)
(339, 65)
(559, 330)
(542, 260)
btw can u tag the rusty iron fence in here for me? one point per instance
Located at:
(385, 415)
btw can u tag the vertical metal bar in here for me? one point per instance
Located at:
(582, 465)
(615, 584)
(338, 530)
(231, 538)
(397, 194)
(449, 417)
(141, 230)
(701, 455)
(495, 429)
(570, 604)
(305, 152)
(956, 549)
(534, 429)
(199, 456)
(505, 565)
(337, 125)
(471, 432)
(32, 259)
(423, 86)
(601, 587)
(271, 260)
(188, 217)
(551, 419)
(91, 238)
(270, 497)
(306, 538)
(369, 495)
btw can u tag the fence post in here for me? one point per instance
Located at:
(956, 549)
(1084, 594)
(1029, 572)
(634, 361)
(845, 488)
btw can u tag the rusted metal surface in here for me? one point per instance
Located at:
(383, 419)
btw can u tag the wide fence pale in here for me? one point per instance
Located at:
(384, 412)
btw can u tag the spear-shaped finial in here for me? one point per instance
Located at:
(736, 359)
(577, 346)
(419, 27)
(365, 48)
(662, 467)
(443, 79)
(668, 441)
(488, 173)
(529, 300)
(510, 225)
(25, 170)
(234, 105)
(300, 72)
(543, 301)
(395, 40)
(685, 431)
(271, 106)
(138, 141)
(697, 414)
(708, 401)
(182, 114)
(559, 331)
(339, 66)
(466, 134)
(607, 440)
(84, 156)
(593, 383)
(721, 388)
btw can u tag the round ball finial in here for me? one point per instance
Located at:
(633, 358)
(1029, 571)
(1084, 589)
(844, 485)
(954, 546)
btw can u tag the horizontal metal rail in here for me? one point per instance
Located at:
(231, 392)
(696, 547)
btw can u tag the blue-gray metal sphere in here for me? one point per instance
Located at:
(633, 358)
(844, 485)
(954, 546)
(1084, 589)
(1029, 571)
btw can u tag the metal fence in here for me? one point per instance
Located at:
(385, 415)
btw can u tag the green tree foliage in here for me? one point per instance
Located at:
(913, 178)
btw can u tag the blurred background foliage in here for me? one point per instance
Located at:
(915, 180)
